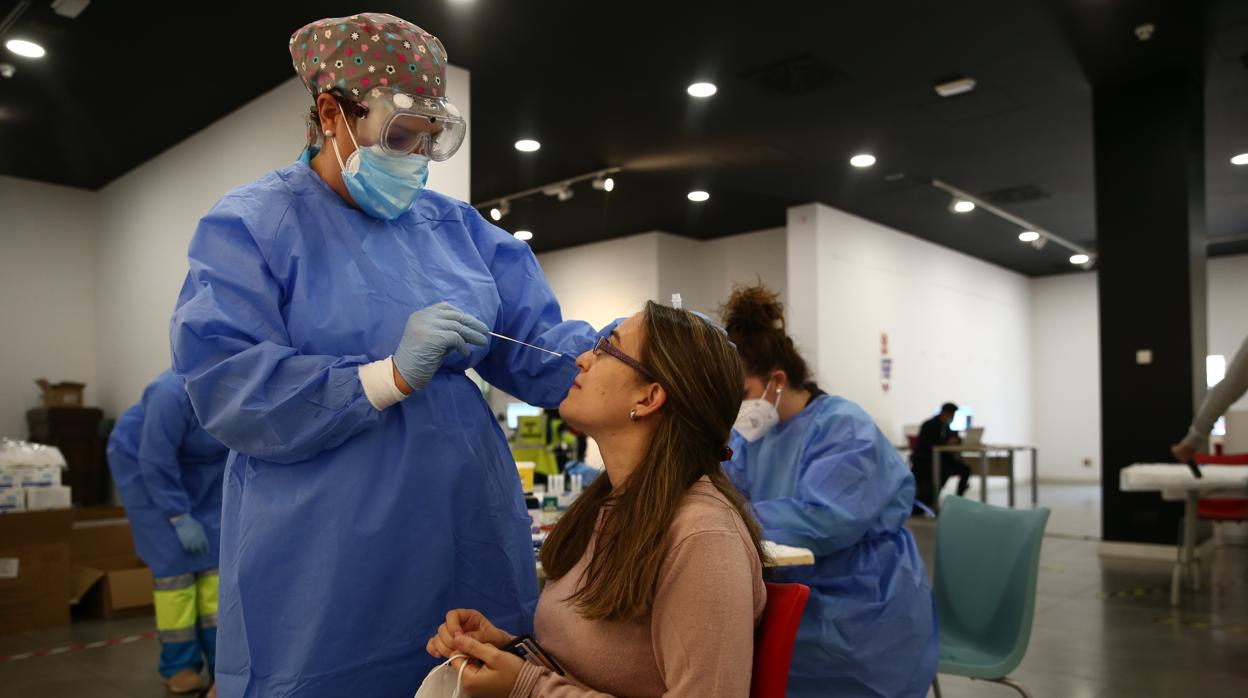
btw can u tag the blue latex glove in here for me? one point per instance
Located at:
(430, 334)
(191, 535)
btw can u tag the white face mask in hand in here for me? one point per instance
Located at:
(444, 680)
(757, 417)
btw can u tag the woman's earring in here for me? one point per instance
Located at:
(632, 415)
(329, 133)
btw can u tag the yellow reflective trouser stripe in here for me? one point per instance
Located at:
(206, 593)
(175, 608)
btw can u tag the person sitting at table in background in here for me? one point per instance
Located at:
(935, 432)
(1229, 390)
(656, 569)
(819, 474)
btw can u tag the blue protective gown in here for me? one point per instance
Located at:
(828, 480)
(164, 464)
(348, 532)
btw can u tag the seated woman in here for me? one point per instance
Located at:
(656, 569)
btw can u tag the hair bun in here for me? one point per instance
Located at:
(752, 310)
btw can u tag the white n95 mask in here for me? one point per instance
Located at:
(757, 417)
(443, 680)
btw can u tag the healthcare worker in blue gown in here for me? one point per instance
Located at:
(331, 310)
(167, 471)
(820, 475)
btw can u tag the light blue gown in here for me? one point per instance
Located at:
(828, 480)
(348, 533)
(164, 465)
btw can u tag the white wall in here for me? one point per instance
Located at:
(1228, 308)
(958, 327)
(148, 216)
(1066, 377)
(602, 281)
(704, 272)
(47, 287)
(1066, 353)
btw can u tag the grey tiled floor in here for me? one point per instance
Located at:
(1083, 645)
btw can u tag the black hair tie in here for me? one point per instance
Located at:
(725, 454)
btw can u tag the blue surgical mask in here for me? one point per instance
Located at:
(383, 186)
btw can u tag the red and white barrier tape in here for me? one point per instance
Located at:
(78, 647)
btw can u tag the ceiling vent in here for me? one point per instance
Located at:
(1016, 195)
(798, 75)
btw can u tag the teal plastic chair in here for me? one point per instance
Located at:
(987, 560)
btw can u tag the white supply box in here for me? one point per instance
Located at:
(29, 476)
(40, 498)
(12, 499)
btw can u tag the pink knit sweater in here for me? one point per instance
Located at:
(697, 639)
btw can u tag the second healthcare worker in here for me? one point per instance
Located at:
(820, 475)
(331, 310)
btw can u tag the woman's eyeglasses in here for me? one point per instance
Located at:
(604, 345)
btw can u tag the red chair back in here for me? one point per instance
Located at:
(773, 642)
(1223, 509)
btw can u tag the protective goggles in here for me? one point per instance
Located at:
(403, 124)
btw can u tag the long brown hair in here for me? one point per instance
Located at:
(701, 374)
(754, 317)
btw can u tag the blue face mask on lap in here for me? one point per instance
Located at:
(383, 186)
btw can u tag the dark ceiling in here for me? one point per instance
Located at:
(802, 86)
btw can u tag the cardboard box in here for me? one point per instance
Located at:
(44, 498)
(34, 570)
(12, 500)
(108, 580)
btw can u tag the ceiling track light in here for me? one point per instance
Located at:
(561, 189)
(1030, 233)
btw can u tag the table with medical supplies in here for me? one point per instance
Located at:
(984, 453)
(1178, 483)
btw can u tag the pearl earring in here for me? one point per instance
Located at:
(329, 133)
(632, 415)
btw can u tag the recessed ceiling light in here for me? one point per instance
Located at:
(862, 160)
(1241, 159)
(21, 47)
(702, 89)
(523, 235)
(698, 196)
(1028, 236)
(1079, 259)
(527, 145)
(963, 206)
